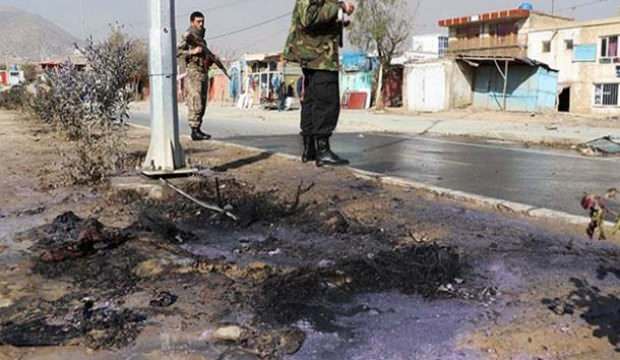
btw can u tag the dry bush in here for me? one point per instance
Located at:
(15, 98)
(90, 107)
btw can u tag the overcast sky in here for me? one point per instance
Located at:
(84, 17)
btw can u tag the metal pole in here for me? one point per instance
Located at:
(165, 155)
(505, 84)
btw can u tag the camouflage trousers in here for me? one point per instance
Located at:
(196, 91)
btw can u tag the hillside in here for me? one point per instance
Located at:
(25, 36)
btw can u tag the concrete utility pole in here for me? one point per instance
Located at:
(165, 155)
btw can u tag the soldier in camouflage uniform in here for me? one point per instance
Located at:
(313, 42)
(197, 80)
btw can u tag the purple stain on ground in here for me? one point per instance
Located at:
(396, 326)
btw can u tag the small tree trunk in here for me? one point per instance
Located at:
(379, 104)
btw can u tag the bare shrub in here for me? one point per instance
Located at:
(90, 107)
(15, 98)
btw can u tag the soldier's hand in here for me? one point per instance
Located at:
(196, 50)
(348, 7)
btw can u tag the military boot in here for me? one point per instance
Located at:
(309, 153)
(198, 135)
(325, 156)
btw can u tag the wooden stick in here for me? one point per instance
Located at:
(200, 203)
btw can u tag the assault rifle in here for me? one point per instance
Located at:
(195, 41)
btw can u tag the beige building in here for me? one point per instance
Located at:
(499, 33)
(587, 55)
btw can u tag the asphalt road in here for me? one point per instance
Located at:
(544, 178)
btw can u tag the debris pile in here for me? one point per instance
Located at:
(420, 269)
(98, 326)
(70, 237)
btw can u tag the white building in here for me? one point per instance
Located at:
(424, 47)
(587, 55)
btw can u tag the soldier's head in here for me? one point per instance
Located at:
(197, 19)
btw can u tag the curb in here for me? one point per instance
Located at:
(496, 204)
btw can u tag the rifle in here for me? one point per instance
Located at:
(195, 41)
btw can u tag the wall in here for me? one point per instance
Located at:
(437, 86)
(580, 76)
(219, 89)
(461, 85)
(530, 88)
(358, 81)
(539, 20)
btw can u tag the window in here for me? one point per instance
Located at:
(443, 45)
(609, 48)
(546, 46)
(606, 94)
(569, 44)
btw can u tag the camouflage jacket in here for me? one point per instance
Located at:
(314, 36)
(191, 39)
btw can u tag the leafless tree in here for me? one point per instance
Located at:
(382, 27)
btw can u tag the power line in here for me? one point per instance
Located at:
(182, 15)
(577, 6)
(261, 40)
(250, 27)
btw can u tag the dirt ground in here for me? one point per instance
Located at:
(131, 270)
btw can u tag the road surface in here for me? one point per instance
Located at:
(543, 178)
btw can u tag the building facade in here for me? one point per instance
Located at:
(492, 52)
(499, 33)
(587, 55)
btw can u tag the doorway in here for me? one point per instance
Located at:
(564, 100)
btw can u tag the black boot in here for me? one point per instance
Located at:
(309, 153)
(325, 156)
(198, 135)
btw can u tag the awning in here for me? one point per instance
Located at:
(476, 60)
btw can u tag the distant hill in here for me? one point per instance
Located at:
(28, 37)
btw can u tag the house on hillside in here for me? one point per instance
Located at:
(587, 55)
(78, 60)
(12, 76)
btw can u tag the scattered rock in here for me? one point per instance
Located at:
(292, 340)
(5, 302)
(231, 333)
(325, 264)
(164, 299)
(337, 223)
(275, 252)
(149, 268)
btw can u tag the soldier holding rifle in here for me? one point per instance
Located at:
(198, 59)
